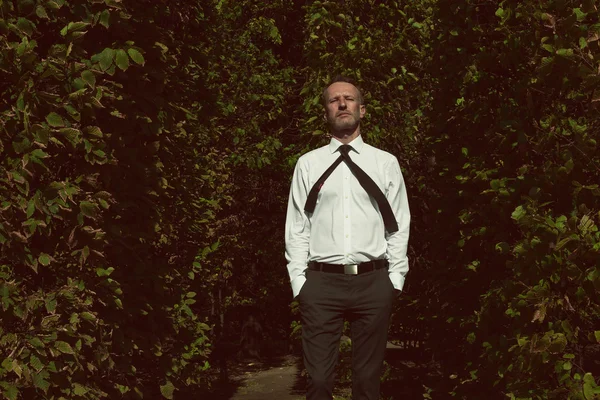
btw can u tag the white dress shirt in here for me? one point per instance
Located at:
(346, 226)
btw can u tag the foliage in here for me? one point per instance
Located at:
(515, 146)
(94, 301)
(145, 156)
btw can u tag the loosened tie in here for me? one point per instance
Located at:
(365, 181)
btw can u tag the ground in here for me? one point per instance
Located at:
(275, 382)
(281, 379)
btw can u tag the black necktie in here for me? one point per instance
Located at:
(365, 181)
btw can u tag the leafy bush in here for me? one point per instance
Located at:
(94, 302)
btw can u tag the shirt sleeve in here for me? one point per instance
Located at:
(397, 242)
(297, 229)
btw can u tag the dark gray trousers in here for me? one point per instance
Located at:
(365, 300)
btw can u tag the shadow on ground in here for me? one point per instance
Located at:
(272, 378)
(408, 374)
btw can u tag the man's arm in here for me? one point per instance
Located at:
(297, 230)
(397, 242)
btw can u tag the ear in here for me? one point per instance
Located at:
(363, 110)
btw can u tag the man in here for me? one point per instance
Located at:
(347, 229)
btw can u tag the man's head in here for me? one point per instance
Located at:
(344, 107)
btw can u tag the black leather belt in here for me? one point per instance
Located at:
(349, 269)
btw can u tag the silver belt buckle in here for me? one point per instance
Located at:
(351, 269)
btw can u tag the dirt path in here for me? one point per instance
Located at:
(277, 382)
(280, 379)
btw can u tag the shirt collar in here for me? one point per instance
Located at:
(357, 144)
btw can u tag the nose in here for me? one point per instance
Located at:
(342, 104)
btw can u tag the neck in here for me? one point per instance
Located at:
(346, 136)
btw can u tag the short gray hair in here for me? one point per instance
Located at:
(341, 78)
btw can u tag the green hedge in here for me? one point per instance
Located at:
(145, 156)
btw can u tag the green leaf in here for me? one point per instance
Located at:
(88, 316)
(104, 272)
(111, 71)
(563, 242)
(21, 103)
(16, 367)
(85, 252)
(44, 259)
(50, 305)
(10, 391)
(40, 11)
(54, 4)
(546, 61)
(55, 120)
(7, 364)
(36, 342)
(73, 135)
(40, 134)
(167, 390)
(30, 208)
(122, 60)
(39, 381)
(89, 78)
(21, 146)
(518, 213)
(565, 52)
(88, 209)
(597, 336)
(548, 47)
(79, 390)
(589, 386)
(106, 58)
(122, 388)
(105, 18)
(502, 247)
(25, 26)
(77, 26)
(136, 56)
(94, 101)
(63, 347)
(39, 153)
(35, 363)
(580, 14)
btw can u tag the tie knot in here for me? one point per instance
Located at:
(345, 149)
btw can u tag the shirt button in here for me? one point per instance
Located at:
(346, 216)
(347, 235)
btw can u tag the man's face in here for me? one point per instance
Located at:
(343, 110)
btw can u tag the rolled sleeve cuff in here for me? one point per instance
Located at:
(297, 284)
(397, 280)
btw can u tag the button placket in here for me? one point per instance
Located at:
(347, 215)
